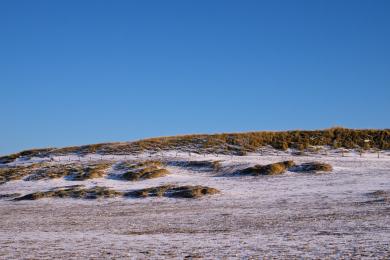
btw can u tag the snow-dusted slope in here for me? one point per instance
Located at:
(292, 215)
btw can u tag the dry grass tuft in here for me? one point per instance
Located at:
(269, 169)
(213, 165)
(75, 171)
(53, 172)
(128, 165)
(91, 172)
(79, 192)
(173, 191)
(26, 154)
(75, 192)
(8, 158)
(142, 170)
(313, 167)
(17, 172)
(192, 191)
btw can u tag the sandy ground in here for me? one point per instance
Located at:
(291, 216)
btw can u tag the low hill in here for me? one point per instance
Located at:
(229, 143)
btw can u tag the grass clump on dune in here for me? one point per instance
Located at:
(128, 165)
(269, 169)
(11, 174)
(9, 158)
(76, 192)
(281, 167)
(142, 170)
(91, 172)
(53, 172)
(25, 154)
(74, 171)
(213, 165)
(16, 172)
(192, 191)
(313, 167)
(79, 192)
(143, 174)
(173, 191)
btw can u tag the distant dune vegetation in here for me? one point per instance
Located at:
(230, 143)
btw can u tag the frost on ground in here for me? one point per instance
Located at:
(344, 213)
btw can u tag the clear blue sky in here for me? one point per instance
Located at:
(79, 72)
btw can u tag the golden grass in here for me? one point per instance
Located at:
(231, 143)
(53, 172)
(75, 171)
(314, 167)
(174, 191)
(142, 170)
(213, 165)
(91, 171)
(269, 169)
(79, 192)
(17, 172)
(75, 192)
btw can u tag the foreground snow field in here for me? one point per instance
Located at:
(294, 215)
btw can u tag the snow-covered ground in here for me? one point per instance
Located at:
(294, 215)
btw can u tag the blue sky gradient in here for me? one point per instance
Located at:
(79, 72)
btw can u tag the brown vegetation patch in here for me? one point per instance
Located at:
(26, 154)
(142, 170)
(10, 174)
(143, 174)
(73, 192)
(208, 165)
(74, 171)
(129, 165)
(16, 172)
(8, 158)
(173, 191)
(232, 143)
(91, 172)
(269, 169)
(192, 191)
(54, 172)
(313, 167)
(79, 192)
